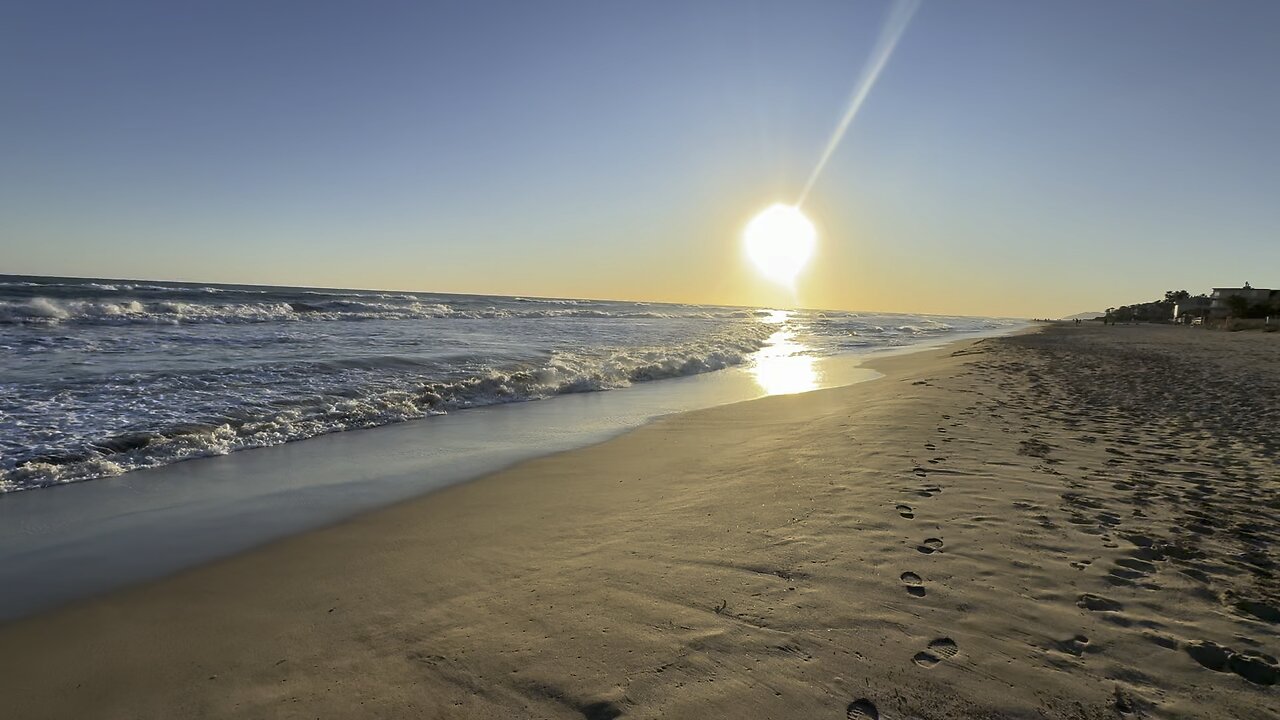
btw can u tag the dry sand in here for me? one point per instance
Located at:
(1069, 524)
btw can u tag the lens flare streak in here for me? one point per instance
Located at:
(895, 24)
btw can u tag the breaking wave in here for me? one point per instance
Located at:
(335, 406)
(49, 311)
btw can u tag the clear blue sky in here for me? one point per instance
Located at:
(1016, 158)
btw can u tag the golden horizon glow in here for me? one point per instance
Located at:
(779, 241)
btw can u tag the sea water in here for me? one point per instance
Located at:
(102, 377)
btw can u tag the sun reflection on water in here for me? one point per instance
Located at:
(784, 366)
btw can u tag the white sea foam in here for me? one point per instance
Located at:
(70, 459)
(43, 310)
(103, 377)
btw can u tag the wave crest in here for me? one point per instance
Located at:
(348, 410)
(50, 311)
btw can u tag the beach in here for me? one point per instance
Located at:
(1070, 523)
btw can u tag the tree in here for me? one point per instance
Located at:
(1174, 296)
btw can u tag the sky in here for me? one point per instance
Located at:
(1015, 158)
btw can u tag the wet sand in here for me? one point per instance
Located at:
(1076, 523)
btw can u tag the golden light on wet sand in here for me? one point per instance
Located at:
(780, 241)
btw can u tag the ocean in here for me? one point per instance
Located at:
(101, 377)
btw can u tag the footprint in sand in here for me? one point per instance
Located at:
(939, 650)
(930, 545)
(862, 709)
(1077, 645)
(915, 586)
(1260, 610)
(1097, 603)
(1257, 668)
(919, 471)
(906, 512)
(1209, 654)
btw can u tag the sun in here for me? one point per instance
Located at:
(780, 241)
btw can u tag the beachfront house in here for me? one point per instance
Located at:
(1192, 310)
(1221, 301)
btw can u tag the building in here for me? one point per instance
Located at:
(1191, 309)
(1220, 298)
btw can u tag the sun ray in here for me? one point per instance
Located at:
(894, 25)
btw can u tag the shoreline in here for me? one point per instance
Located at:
(63, 544)
(756, 555)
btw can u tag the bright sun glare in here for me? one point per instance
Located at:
(779, 241)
